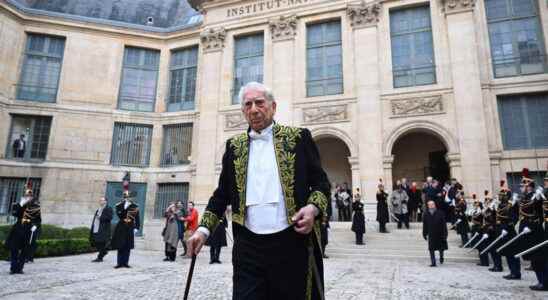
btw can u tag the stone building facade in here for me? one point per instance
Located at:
(389, 89)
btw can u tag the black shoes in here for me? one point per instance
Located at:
(16, 272)
(118, 266)
(166, 259)
(482, 265)
(538, 287)
(493, 269)
(433, 265)
(97, 260)
(511, 277)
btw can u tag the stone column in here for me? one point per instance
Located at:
(470, 115)
(355, 170)
(283, 31)
(363, 19)
(212, 44)
(387, 163)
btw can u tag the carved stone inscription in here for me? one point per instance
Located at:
(417, 106)
(325, 114)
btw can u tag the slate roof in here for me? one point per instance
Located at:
(166, 14)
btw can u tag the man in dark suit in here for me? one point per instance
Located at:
(19, 147)
(434, 229)
(99, 234)
(272, 178)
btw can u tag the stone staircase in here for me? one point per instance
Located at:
(398, 244)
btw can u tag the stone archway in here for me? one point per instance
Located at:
(337, 162)
(334, 156)
(440, 139)
(419, 154)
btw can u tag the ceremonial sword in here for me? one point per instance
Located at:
(525, 231)
(531, 249)
(470, 241)
(483, 238)
(503, 234)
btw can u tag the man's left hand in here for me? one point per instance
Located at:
(304, 219)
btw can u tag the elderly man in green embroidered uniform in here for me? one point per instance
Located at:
(272, 178)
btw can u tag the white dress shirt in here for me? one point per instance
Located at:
(266, 211)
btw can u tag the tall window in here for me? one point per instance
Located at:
(517, 46)
(182, 86)
(131, 144)
(412, 47)
(139, 76)
(324, 75)
(28, 139)
(523, 121)
(177, 144)
(169, 193)
(11, 191)
(41, 68)
(248, 62)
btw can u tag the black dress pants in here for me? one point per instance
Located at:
(101, 249)
(269, 267)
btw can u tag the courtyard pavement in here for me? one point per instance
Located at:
(75, 277)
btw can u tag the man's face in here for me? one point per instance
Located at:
(431, 205)
(102, 201)
(190, 206)
(546, 183)
(258, 111)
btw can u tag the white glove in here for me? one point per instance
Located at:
(135, 231)
(33, 228)
(485, 236)
(504, 232)
(24, 201)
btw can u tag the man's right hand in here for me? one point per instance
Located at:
(195, 243)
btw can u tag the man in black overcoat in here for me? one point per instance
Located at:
(434, 229)
(23, 233)
(99, 234)
(382, 208)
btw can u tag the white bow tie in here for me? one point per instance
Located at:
(258, 136)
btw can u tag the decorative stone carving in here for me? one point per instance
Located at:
(235, 121)
(363, 14)
(456, 6)
(325, 114)
(213, 39)
(283, 28)
(417, 106)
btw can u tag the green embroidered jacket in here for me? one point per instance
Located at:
(301, 175)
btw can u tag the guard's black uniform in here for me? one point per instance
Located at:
(462, 226)
(489, 228)
(477, 227)
(507, 217)
(123, 238)
(22, 236)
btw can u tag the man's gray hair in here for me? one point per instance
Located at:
(257, 87)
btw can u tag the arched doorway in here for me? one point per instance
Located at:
(419, 154)
(334, 154)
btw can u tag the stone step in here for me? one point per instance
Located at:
(398, 244)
